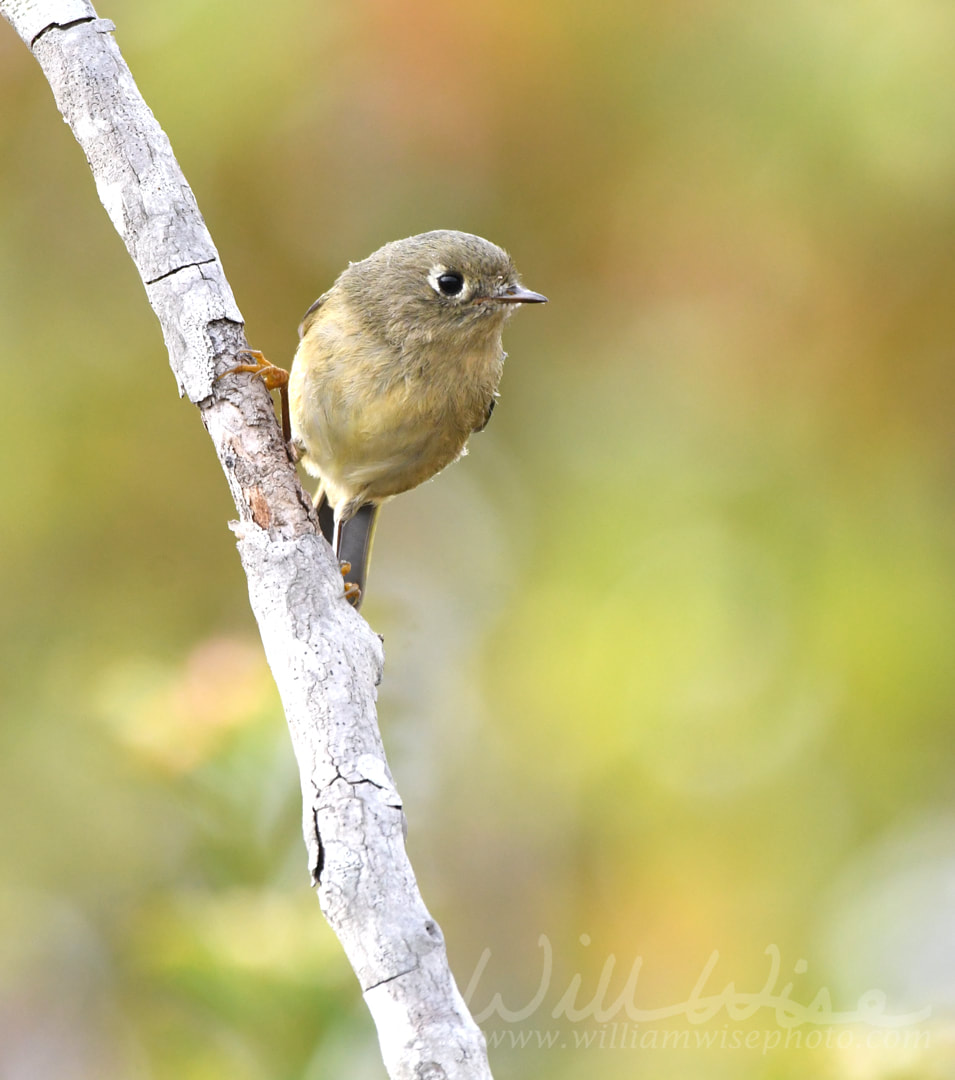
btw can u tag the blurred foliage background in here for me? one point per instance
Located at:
(669, 655)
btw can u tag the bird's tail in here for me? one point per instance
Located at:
(354, 542)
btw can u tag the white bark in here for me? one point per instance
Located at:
(325, 659)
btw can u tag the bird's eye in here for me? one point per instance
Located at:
(450, 283)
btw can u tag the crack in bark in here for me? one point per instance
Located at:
(178, 269)
(60, 26)
(320, 860)
(391, 978)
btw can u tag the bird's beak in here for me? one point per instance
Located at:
(517, 294)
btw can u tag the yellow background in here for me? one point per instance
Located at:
(669, 654)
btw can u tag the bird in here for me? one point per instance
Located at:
(398, 364)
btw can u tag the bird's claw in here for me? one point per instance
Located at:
(352, 588)
(275, 378)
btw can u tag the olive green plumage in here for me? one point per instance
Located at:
(398, 363)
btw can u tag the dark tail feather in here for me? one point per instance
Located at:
(354, 544)
(357, 536)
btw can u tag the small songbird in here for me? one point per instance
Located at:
(398, 363)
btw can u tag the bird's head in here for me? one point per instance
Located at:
(436, 287)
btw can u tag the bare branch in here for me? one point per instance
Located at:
(325, 659)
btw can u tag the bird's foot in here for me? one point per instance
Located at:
(352, 588)
(275, 378)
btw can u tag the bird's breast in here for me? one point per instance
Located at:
(374, 420)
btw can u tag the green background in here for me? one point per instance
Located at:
(669, 654)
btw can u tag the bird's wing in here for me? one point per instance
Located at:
(487, 415)
(309, 317)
